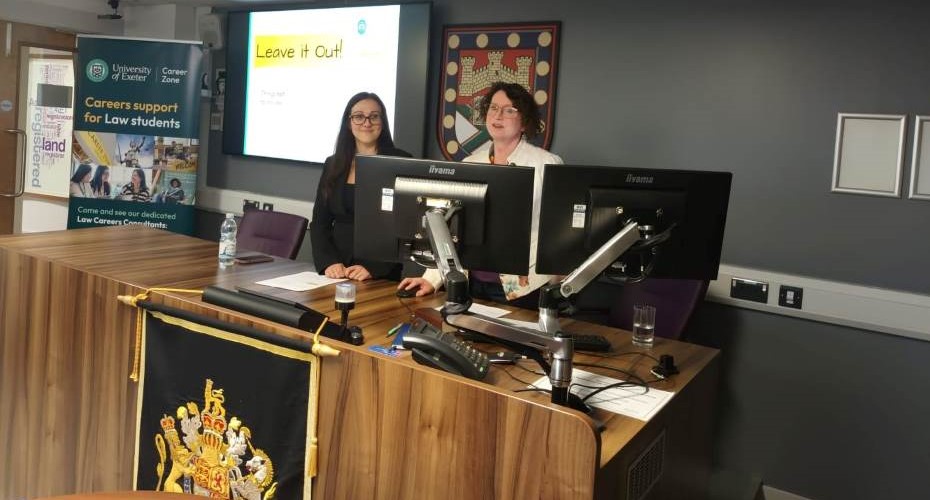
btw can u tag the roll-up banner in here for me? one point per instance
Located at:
(136, 124)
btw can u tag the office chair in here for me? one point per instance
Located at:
(674, 300)
(275, 233)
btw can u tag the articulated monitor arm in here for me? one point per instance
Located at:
(591, 268)
(447, 258)
(550, 338)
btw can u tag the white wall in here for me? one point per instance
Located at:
(75, 16)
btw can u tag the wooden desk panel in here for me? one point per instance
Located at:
(389, 428)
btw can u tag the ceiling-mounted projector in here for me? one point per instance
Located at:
(115, 15)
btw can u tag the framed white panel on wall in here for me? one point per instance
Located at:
(869, 156)
(920, 166)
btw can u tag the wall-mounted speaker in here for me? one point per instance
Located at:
(210, 28)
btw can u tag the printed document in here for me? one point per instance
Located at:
(300, 282)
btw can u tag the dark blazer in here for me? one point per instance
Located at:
(333, 225)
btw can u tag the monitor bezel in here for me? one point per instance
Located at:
(694, 248)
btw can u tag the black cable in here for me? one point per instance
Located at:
(612, 386)
(518, 365)
(409, 310)
(511, 375)
(533, 389)
(619, 370)
(619, 354)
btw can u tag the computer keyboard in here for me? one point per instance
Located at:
(590, 342)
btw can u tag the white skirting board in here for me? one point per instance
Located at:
(857, 306)
(227, 200)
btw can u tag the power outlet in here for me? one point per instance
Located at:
(790, 296)
(756, 291)
(266, 206)
(249, 205)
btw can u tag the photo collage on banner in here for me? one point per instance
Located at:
(135, 148)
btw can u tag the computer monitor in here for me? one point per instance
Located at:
(490, 223)
(584, 206)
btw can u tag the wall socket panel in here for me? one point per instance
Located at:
(756, 291)
(790, 296)
(256, 205)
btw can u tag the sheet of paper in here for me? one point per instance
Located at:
(635, 401)
(300, 282)
(491, 312)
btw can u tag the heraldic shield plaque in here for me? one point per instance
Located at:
(477, 56)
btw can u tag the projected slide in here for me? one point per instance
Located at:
(303, 66)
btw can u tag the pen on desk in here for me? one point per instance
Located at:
(392, 331)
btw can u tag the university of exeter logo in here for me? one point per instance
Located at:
(474, 58)
(97, 70)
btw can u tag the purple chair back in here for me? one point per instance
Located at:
(674, 300)
(274, 233)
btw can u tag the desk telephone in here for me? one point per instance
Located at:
(433, 347)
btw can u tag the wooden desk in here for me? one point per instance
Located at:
(389, 428)
(124, 495)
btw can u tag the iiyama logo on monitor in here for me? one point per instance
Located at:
(433, 169)
(639, 179)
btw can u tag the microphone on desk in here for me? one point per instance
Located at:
(345, 302)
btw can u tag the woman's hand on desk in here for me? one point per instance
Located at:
(358, 273)
(337, 271)
(422, 286)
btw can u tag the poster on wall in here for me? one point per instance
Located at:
(477, 56)
(136, 122)
(49, 121)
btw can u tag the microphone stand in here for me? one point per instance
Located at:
(345, 302)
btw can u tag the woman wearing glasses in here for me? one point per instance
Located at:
(511, 116)
(364, 131)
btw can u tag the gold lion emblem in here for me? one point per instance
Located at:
(213, 458)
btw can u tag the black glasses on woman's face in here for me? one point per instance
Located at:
(359, 118)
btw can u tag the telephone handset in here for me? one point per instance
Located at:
(433, 347)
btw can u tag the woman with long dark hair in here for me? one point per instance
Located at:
(364, 130)
(136, 189)
(100, 184)
(80, 186)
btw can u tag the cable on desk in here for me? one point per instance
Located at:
(619, 354)
(598, 390)
(407, 306)
(619, 370)
(532, 387)
(534, 372)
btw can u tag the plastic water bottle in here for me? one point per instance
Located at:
(228, 240)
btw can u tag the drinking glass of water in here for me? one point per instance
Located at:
(644, 325)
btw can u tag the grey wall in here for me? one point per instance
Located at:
(753, 88)
(748, 87)
(819, 410)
